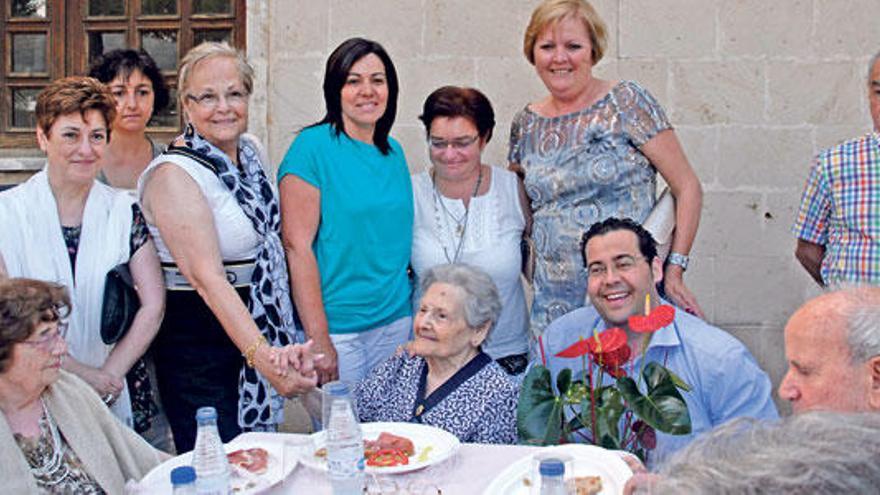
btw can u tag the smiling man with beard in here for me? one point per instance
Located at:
(622, 268)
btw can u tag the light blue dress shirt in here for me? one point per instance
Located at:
(725, 380)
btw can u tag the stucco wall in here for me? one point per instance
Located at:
(754, 88)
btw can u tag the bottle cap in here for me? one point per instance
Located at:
(206, 414)
(336, 389)
(182, 475)
(552, 467)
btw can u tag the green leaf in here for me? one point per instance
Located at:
(563, 381)
(539, 416)
(678, 381)
(662, 406)
(609, 409)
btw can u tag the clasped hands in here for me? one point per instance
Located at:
(291, 369)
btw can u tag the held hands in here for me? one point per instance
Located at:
(291, 369)
(328, 367)
(678, 293)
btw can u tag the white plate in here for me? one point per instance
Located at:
(282, 460)
(583, 460)
(432, 445)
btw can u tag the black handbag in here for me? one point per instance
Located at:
(121, 303)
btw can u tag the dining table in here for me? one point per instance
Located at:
(456, 468)
(468, 471)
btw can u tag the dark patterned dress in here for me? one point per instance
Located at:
(70, 477)
(143, 407)
(582, 168)
(477, 404)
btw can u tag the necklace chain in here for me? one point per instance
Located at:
(461, 223)
(48, 473)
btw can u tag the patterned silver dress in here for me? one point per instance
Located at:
(582, 168)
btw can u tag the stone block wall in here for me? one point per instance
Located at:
(754, 88)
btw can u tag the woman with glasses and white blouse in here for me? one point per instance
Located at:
(469, 212)
(215, 219)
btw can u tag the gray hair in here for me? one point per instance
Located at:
(862, 317)
(814, 452)
(874, 60)
(481, 302)
(211, 49)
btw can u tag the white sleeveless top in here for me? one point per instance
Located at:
(236, 235)
(491, 242)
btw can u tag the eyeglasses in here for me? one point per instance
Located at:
(209, 100)
(456, 144)
(50, 338)
(622, 264)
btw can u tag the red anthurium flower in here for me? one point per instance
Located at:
(577, 349)
(616, 372)
(657, 319)
(613, 359)
(609, 348)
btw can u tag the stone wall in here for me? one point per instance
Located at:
(754, 89)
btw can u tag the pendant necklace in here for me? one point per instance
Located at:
(461, 222)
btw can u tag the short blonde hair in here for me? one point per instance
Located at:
(205, 51)
(553, 11)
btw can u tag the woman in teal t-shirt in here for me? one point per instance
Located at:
(347, 213)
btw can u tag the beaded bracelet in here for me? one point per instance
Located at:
(252, 349)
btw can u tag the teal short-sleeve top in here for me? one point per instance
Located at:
(364, 235)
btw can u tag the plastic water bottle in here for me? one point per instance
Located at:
(552, 477)
(345, 445)
(209, 458)
(183, 480)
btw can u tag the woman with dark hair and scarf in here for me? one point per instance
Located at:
(215, 219)
(347, 214)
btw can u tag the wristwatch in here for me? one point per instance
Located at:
(678, 259)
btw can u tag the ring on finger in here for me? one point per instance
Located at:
(108, 399)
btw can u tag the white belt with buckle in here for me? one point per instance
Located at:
(238, 273)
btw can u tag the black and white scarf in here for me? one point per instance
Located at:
(260, 407)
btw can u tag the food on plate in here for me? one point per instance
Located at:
(389, 441)
(384, 443)
(584, 485)
(387, 458)
(254, 460)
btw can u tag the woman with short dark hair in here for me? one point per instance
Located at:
(140, 92)
(346, 204)
(467, 211)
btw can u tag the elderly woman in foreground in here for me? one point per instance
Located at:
(815, 452)
(215, 218)
(56, 436)
(446, 380)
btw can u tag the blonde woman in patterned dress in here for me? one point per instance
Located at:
(589, 150)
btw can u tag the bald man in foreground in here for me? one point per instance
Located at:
(832, 345)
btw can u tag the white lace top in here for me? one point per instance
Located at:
(491, 242)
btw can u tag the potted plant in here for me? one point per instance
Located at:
(606, 403)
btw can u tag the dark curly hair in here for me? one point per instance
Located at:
(647, 244)
(123, 62)
(24, 304)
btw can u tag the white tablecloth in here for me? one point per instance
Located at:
(468, 472)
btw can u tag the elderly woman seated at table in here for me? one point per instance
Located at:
(445, 379)
(56, 436)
